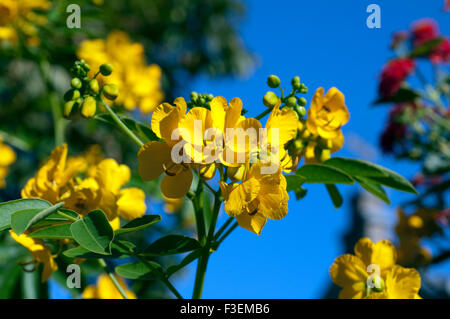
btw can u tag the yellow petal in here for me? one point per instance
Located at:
(286, 122)
(402, 283)
(177, 186)
(152, 158)
(316, 104)
(253, 223)
(355, 291)
(218, 112)
(8, 156)
(241, 198)
(383, 253)
(131, 203)
(112, 176)
(348, 270)
(233, 113)
(337, 142)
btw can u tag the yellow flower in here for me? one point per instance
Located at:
(19, 16)
(376, 262)
(7, 157)
(258, 197)
(139, 84)
(40, 252)
(57, 181)
(106, 289)
(155, 157)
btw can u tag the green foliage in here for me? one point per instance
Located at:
(138, 224)
(138, 270)
(8, 208)
(170, 245)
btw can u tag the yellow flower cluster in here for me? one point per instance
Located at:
(7, 157)
(139, 83)
(105, 289)
(321, 135)
(20, 16)
(59, 179)
(372, 273)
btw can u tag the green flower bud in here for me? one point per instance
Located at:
(76, 83)
(301, 111)
(201, 101)
(302, 101)
(303, 88)
(71, 95)
(296, 82)
(106, 69)
(194, 97)
(110, 91)
(292, 101)
(89, 107)
(209, 97)
(270, 99)
(273, 81)
(93, 86)
(68, 108)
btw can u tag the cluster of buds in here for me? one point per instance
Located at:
(292, 100)
(85, 91)
(200, 100)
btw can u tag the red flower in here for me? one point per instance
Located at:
(442, 53)
(424, 30)
(393, 74)
(447, 5)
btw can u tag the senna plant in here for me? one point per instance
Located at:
(204, 150)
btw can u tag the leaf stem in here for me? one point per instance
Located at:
(121, 125)
(119, 288)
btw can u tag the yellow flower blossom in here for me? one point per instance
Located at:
(7, 157)
(155, 157)
(41, 253)
(376, 262)
(106, 289)
(58, 180)
(258, 197)
(139, 84)
(19, 16)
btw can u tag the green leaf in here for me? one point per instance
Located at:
(316, 173)
(8, 208)
(94, 232)
(116, 251)
(53, 232)
(186, 261)
(294, 182)
(138, 224)
(402, 95)
(137, 270)
(426, 48)
(335, 196)
(394, 180)
(373, 188)
(170, 245)
(141, 130)
(24, 219)
(355, 167)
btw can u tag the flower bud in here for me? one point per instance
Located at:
(110, 91)
(89, 107)
(292, 101)
(93, 86)
(194, 97)
(303, 88)
(76, 83)
(301, 111)
(71, 95)
(302, 101)
(106, 69)
(273, 81)
(270, 99)
(68, 108)
(296, 82)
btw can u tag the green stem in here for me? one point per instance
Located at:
(203, 260)
(121, 125)
(223, 228)
(260, 116)
(229, 231)
(198, 210)
(66, 216)
(119, 288)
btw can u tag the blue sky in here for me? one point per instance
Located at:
(326, 43)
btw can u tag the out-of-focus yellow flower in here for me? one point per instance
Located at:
(258, 197)
(7, 157)
(58, 180)
(172, 205)
(106, 289)
(41, 253)
(19, 16)
(372, 273)
(139, 84)
(155, 157)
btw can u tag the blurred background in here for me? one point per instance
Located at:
(227, 48)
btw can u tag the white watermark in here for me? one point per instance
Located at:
(73, 21)
(374, 19)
